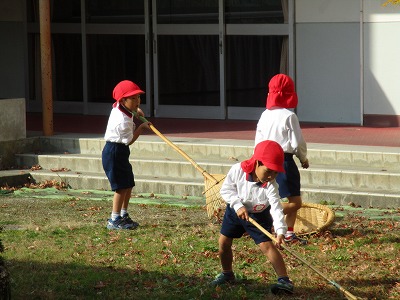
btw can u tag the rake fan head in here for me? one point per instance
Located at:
(214, 203)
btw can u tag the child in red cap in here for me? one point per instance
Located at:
(120, 133)
(280, 124)
(250, 189)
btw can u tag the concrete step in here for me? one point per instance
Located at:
(364, 197)
(329, 177)
(356, 179)
(145, 167)
(385, 158)
(99, 181)
(365, 175)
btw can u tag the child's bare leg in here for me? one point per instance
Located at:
(226, 258)
(126, 198)
(290, 209)
(283, 284)
(118, 200)
(225, 253)
(275, 257)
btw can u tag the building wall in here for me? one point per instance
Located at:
(346, 72)
(381, 63)
(328, 60)
(12, 78)
(327, 72)
(12, 119)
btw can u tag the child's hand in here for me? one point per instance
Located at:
(139, 113)
(305, 164)
(242, 213)
(145, 125)
(279, 240)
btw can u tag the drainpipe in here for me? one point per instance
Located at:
(45, 60)
(362, 61)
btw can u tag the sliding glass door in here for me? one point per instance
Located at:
(213, 59)
(186, 59)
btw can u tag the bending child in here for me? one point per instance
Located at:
(250, 189)
(120, 133)
(278, 123)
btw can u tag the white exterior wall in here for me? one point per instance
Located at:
(337, 80)
(381, 58)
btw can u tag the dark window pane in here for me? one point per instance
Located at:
(67, 67)
(112, 58)
(33, 63)
(61, 11)
(188, 70)
(66, 11)
(115, 11)
(187, 12)
(32, 11)
(253, 12)
(251, 62)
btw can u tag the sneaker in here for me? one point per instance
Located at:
(118, 223)
(293, 238)
(222, 279)
(282, 286)
(128, 220)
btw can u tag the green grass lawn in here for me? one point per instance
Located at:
(56, 246)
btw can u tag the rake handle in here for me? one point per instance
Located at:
(180, 151)
(344, 291)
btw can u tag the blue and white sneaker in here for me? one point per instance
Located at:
(128, 220)
(118, 223)
(284, 285)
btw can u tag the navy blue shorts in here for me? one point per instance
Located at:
(115, 159)
(234, 227)
(289, 182)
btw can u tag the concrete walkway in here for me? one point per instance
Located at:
(225, 129)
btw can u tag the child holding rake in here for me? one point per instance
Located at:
(120, 133)
(250, 190)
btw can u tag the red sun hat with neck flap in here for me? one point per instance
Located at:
(270, 153)
(281, 92)
(124, 89)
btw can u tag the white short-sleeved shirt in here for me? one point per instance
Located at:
(238, 191)
(120, 126)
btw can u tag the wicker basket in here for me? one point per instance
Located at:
(312, 218)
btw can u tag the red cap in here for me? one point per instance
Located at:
(281, 92)
(125, 89)
(270, 153)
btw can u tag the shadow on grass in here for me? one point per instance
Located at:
(385, 284)
(31, 280)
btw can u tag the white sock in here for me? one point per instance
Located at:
(114, 215)
(124, 211)
(289, 233)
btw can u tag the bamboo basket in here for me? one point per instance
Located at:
(312, 218)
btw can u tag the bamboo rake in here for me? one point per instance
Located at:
(345, 292)
(212, 184)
